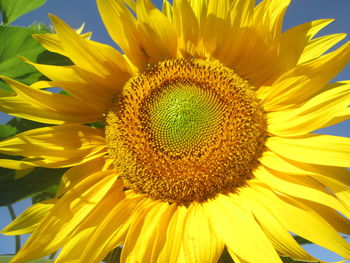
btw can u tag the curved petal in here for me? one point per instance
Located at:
(273, 161)
(172, 251)
(156, 33)
(282, 240)
(52, 42)
(77, 144)
(340, 223)
(298, 218)
(78, 173)
(43, 106)
(319, 46)
(124, 30)
(311, 116)
(304, 188)
(187, 27)
(304, 81)
(200, 242)
(143, 229)
(92, 56)
(230, 221)
(104, 229)
(29, 220)
(65, 216)
(300, 36)
(314, 149)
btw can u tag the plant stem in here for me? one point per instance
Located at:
(13, 216)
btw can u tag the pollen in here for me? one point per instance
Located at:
(186, 130)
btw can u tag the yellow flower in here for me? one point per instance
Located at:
(208, 140)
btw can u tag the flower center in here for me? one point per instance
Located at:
(185, 131)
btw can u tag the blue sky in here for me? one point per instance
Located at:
(75, 12)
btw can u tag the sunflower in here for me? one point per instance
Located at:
(206, 142)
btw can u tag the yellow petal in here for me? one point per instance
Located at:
(339, 222)
(300, 187)
(66, 215)
(124, 30)
(231, 43)
(187, 27)
(230, 221)
(28, 221)
(143, 229)
(172, 249)
(258, 56)
(200, 242)
(167, 9)
(298, 218)
(314, 149)
(156, 33)
(300, 36)
(319, 46)
(282, 240)
(44, 106)
(78, 173)
(278, 163)
(311, 116)
(103, 229)
(52, 42)
(340, 117)
(304, 81)
(92, 56)
(77, 144)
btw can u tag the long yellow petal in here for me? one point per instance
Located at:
(78, 173)
(298, 218)
(319, 46)
(311, 116)
(102, 230)
(124, 30)
(143, 229)
(282, 240)
(304, 81)
(336, 220)
(172, 249)
(65, 216)
(314, 149)
(300, 36)
(29, 220)
(200, 242)
(258, 56)
(229, 43)
(304, 188)
(44, 106)
(52, 42)
(92, 56)
(156, 33)
(76, 144)
(187, 27)
(273, 161)
(230, 221)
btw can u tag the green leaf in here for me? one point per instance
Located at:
(6, 259)
(7, 131)
(38, 181)
(16, 42)
(23, 125)
(13, 9)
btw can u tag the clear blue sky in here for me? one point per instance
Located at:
(75, 12)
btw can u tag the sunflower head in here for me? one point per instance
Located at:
(185, 131)
(208, 138)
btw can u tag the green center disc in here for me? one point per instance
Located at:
(182, 117)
